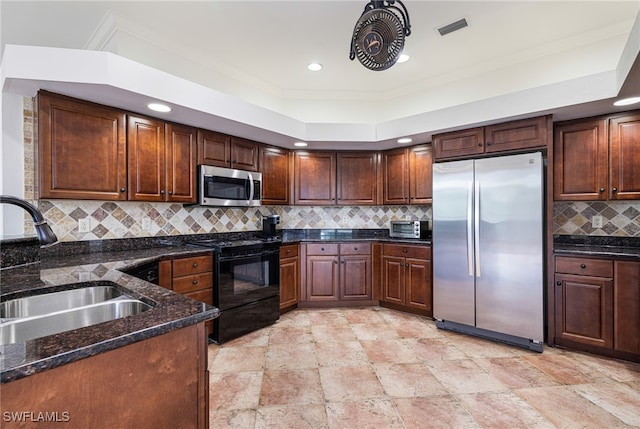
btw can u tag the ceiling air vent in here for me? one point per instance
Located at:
(450, 28)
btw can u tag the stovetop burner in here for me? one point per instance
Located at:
(232, 245)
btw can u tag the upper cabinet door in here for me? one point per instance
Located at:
(82, 149)
(146, 156)
(315, 174)
(420, 174)
(624, 157)
(244, 154)
(580, 154)
(181, 163)
(395, 180)
(357, 178)
(275, 166)
(214, 149)
(516, 135)
(459, 144)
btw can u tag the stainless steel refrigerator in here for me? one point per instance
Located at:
(488, 248)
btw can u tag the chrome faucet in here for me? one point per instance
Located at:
(46, 237)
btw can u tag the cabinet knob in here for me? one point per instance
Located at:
(170, 192)
(355, 248)
(480, 144)
(322, 248)
(488, 143)
(195, 282)
(615, 189)
(559, 283)
(601, 190)
(342, 262)
(195, 265)
(583, 266)
(404, 250)
(122, 189)
(288, 250)
(162, 192)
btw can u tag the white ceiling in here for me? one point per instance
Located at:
(515, 59)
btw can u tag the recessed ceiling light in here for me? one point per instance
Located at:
(403, 58)
(300, 144)
(405, 140)
(627, 101)
(315, 66)
(159, 107)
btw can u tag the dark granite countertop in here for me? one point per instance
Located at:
(79, 264)
(613, 247)
(170, 312)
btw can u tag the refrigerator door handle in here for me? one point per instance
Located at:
(476, 229)
(470, 228)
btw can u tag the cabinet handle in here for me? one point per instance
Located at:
(601, 190)
(122, 189)
(559, 283)
(195, 265)
(195, 282)
(615, 189)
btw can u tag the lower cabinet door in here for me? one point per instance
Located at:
(584, 309)
(289, 282)
(393, 278)
(322, 278)
(418, 284)
(355, 277)
(626, 306)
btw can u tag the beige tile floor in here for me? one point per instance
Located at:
(379, 368)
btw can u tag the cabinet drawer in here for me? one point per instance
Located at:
(193, 283)
(289, 251)
(194, 265)
(355, 248)
(584, 266)
(322, 249)
(205, 296)
(419, 252)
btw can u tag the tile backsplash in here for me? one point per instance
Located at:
(109, 220)
(619, 218)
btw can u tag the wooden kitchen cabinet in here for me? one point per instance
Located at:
(315, 178)
(597, 305)
(276, 169)
(289, 276)
(505, 137)
(159, 382)
(406, 278)
(190, 276)
(597, 159)
(624, 157)
(357, 178)
(221, 150)
(626, 306)
(338, 273)
(161, 161)
(407, 175)
(82, 149)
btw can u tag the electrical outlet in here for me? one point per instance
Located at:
(84, 225)
(596, 222)
(146, 223)
(345, 221)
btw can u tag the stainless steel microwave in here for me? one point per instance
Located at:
(219, 186)
(409, 229)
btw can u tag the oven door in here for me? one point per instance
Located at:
(246, 279)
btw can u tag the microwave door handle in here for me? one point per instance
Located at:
(251, 189)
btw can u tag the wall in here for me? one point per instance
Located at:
(125, 219)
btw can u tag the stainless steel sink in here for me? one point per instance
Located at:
(56, 301)
(28, 328)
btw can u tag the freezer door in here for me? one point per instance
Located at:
(453, 259)
(509, 253)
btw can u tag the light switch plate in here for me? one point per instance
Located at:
(596, 222)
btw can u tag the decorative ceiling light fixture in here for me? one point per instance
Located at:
(379, 33)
